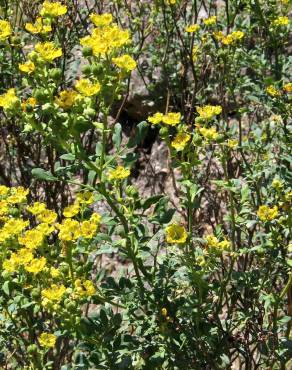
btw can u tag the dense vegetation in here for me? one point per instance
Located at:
(107, 262)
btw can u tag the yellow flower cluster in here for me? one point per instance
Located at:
(83, 288)
(70, 230)
(9, 100)
(280, 21)
(272, 91)
(208, 112)
(192, 28)
(288, 87)
(55, 9)
(210, 21)
(219, 246)
(209, 134)
(87, 88)
(107, 37)
(176, 234)
(52, 296)
(48, 51)
(27, 67)
(265, 213)
(5, 30)
(171, 119)
(125, 62)
(66, 99)
(40, 26)
(180, 141)
(229, 39)
(118, 173)
(47, 340)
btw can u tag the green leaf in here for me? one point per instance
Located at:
(68, 157)
(117, 136)
(150, 201)
(43, 175)
(5, 287)
(141, 131)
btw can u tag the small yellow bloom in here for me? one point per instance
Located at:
(277, 184)
(27, 67)
(5, 30)
(84, 288)
(164, 311)
(96, 218)
(87, 88)
(72, 210)
(118, 173)
(180, 141)
(176, 234)
(170, 2)
(48, 51)
(36, 265)
(281, 21)
(47, 216)
(69, 230)
(232, 143)
(66, 99)
(208, 112)
(101, 20)
(9, 100)
(192, 28)
(55, 273)
(38, 27)
(156, 118)
(31, 239)
(272, 91)
(266, 213)
(88, 229)
(288, 87)
(30, 101)
(209, 134)
(55, 9)
(4, 190)
(36, 208)
(125, 62)
(47, 340)
(210, 21)
(171, 119)
(85, 197)
(54, 292)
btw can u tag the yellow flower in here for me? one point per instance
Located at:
(171, 119)
(176, 234)
(192, 28)
(170, 2)
(45, 228)
(47, 216)
(156, 118)
(288, 87)
(232, 143)
(30, 101)
(47, 340)
(54, 293)
(55, 9)
(5, 30)
(9, 100)
(72, 210)
(38, 26)
(69, 230)
(36, 265)
(85, 198)
(164, 312)
(55, 273)
(31, 239)
(4, 209)
(101, 20)
(66, 99)
(87, 88)
(210, 21)
(48, 51)
(209, 133)
(27, 67)
(277, 184)
(84, 288)
(195, 53)
(4, 190)
(119, 173)
(18, 195)
(36, 208)
(12, 228)
(96, 218)
(213, 242)
(125, 62)
(208, 112)
(180, 141)
(266, 213)
(272, 91)
(88, 229)
(281, 21)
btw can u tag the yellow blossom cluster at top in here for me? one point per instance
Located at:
(218, 246)
(229, 39)
(47, 340)
(266, 213)
(53, 9)
(208, 112)
(5, 30)
(210, 21)
(171, 119)
(280, 21)
(9, 100)
(106, 37)
(176, 234)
